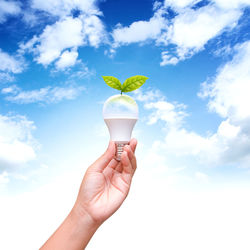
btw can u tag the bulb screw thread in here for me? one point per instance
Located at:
(119, 149)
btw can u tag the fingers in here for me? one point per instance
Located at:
(102, 162)
(128, 160)
(131, 155)
(127, 167)
(133, 144)
(113, 164)
(119, 168)
(107, 159)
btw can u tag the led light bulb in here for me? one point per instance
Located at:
(120, 113)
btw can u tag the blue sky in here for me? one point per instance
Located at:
(193, 130)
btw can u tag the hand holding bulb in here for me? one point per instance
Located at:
(107, 181)
(104, 187)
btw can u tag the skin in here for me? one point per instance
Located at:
(104, 187)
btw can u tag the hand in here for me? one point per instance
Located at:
(106, 183)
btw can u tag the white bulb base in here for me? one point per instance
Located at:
(119, 149)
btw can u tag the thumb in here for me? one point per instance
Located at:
(102, 162)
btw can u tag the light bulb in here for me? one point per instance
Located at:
(120, 113)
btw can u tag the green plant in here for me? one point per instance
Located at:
(131, 84)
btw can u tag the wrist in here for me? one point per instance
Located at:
(74, 233)
(83, 218)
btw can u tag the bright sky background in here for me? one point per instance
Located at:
(191, 189)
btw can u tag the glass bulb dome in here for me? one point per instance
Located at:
(120, 106)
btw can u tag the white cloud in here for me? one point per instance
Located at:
(171, 113)
(202, 177)
(168, 59)
(232, 4)
(8, 8)
(228, 145)
(228, 95)
(6, 77)
(189, 30)
(179, 4)
(224, 147)
(93, 30)
(181, 142)
(16, 141)
(65, 7)
(67, 59)
(150, 95)
(61, 40)
(228, 130)
(184, 218)
(229, 92)
(139, 31)
(82, 71)
(192, 29)
(10, 64)
(57, 37)
(10, 90)
(4, 178)
(44, 95)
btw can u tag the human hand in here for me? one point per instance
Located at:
(106, 183)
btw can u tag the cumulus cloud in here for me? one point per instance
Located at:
(179, 4)
(168, 58)
(171, 113)
(6, 77)
(66, 33)
(65, 7)
(81, 71)
(188, 31)
(44, 95)
(139, 31)
(55, 38)
(16, 141)
(202, 177)
(192, 29)
(8, 8)
(181, 213)
(228, 96)
(228, 93)
(4, 178)
(67, 58)
(59, 41)
(232, 4)
(93, 30)
(10, 65)
(150, 95)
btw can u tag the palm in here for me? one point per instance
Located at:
(105, 192)
(105, 188)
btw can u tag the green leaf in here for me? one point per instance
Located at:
(133, 83)
(112, 82)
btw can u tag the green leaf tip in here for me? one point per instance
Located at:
(131, 84)
(112, 82)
